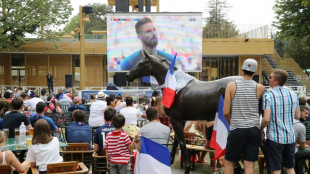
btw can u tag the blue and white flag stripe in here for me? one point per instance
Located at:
(154, 158)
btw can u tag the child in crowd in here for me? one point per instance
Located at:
(44, 148)
(117, 146)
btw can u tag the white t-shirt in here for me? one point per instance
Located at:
(43, 154)
(33, 104)
(131, 114)
(96, 115)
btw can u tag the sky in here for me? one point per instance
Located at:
(241, 12)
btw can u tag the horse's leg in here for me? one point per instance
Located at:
(174, 149)
(178, 129)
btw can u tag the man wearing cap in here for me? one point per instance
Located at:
(280, 106)
(241, 110)
(96, 116)
(77, 102)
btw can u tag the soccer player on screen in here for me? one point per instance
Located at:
(146, 32)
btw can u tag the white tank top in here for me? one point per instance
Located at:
(3, 159)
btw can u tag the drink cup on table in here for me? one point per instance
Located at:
(17, 138)
(31, 131)
(29, 139)
(6, 135)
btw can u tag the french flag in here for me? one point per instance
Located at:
(220, 131)
(154, 158)
(169, 86)
(150, 80)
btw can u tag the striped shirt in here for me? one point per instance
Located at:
(244, 105)
(282, 103)
(116, 143)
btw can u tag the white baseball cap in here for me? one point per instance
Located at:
(250, 65)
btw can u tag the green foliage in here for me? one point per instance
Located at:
(293, 23)
(36, 17)
(217, 25)
(97, 21)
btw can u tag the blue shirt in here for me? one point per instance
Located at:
(74, 107)
(129, 62)
(100, 132)
(34, 118)
(79, 132)
(283, 104)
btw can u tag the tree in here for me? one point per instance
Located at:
(97, 18)
(293, 23)
(36, 17)
(217, 25)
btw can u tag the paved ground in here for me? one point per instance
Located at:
(199, 167)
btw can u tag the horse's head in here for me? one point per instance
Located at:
(148, 66)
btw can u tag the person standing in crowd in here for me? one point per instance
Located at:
(97, 108)
(301, 152)
(280, 107)
(241, 110)
(32, 102)
(154, 129)
(117, 146)
(44, 148)
(77, 105)
(103, 130)
(50, 82)
(78, 131)
(153, 98)
(44, 95)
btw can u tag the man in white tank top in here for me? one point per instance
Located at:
(241, 111)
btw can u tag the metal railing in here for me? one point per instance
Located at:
(299, 90)
(290, 64)
(238, 31)
(266, 66)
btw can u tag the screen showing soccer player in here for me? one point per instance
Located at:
(162, 34)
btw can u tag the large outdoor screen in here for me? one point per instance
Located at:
(164, 34)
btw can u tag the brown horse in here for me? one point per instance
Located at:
(198, 100)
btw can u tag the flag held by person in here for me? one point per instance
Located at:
(220, 131)
(154, 158)
(169, 86)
